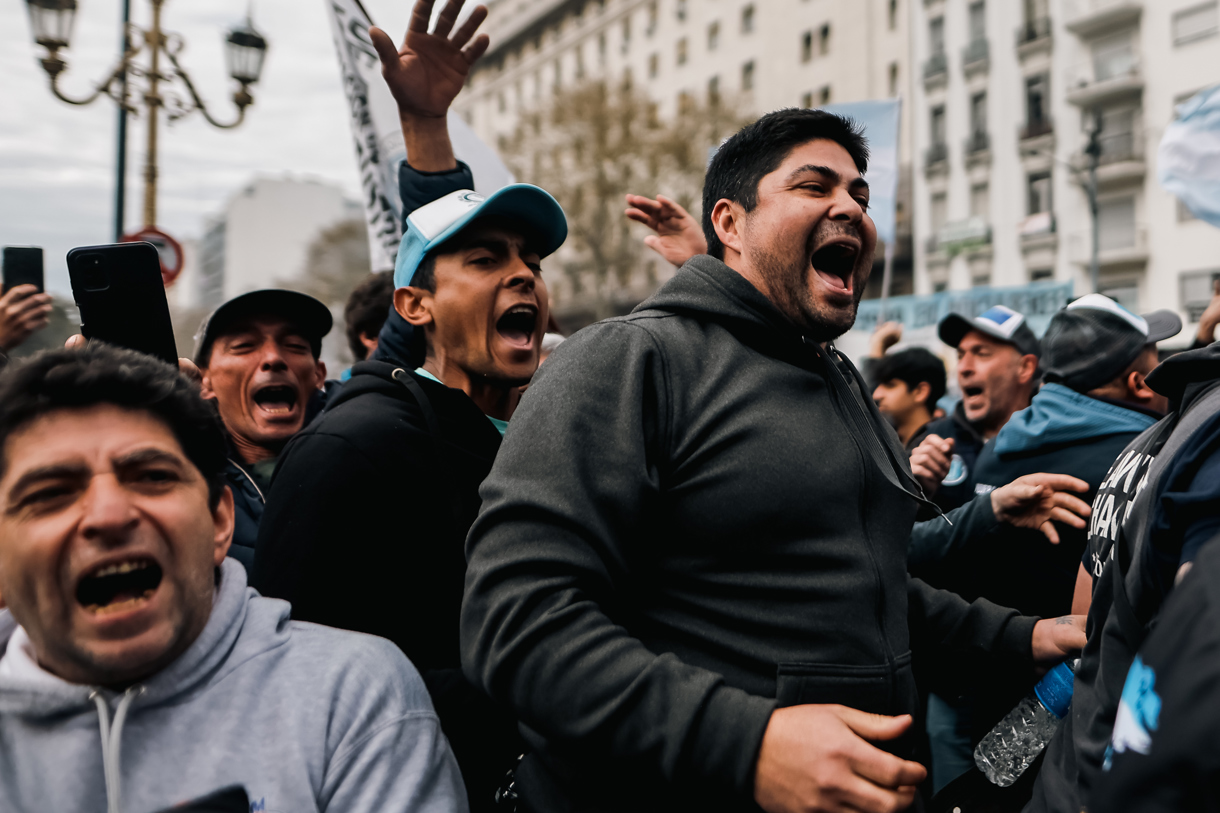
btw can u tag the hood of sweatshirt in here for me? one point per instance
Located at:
(30, 691)
(1058, 415)
(397, 343)
(1182, 377)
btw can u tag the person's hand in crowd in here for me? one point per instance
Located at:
(1041, 500)
(23, 310)
(426, 74)
(1211, 317)
(1055, 639)
(678, 235)
(819, 758)
(884, 337)
(185, 366)
(930, 462)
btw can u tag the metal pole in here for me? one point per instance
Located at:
(120, 163)
(153, 102)
(1093, 150)
(887, 276)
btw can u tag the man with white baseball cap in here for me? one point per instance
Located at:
(368, 512)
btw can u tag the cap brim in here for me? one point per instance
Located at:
(1162, 325)
(307, 314)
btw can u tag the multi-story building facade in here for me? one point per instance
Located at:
(1007, 99)
(764, 54)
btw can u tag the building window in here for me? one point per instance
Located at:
(936, 35)
(937, 125)
(558, 76)
(713, 36)
(1195, 23)
(940, 287)
(807, 46)
(747, 19)
(978, 21)
(892, 17)
(652, 18)
(939, 211)
(627, 81)
(824, 39)
(680, 10)
(807, 100)
(893, 79)
(1116, 224)
(682, 51)
(626, 34)
(580, 62)
(601, 48)
(653, 64)
(1113, 57)
(713, 90)
(685, 102)
(1038, 188)
(1036, 102)
(978, 114)
(824, 95)
(980, 201)
(1117, 136)
(1197, 288)
(1039, 274)
(747, 76)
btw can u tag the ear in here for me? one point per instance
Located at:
(320, 374)
(921, 392)
(1027, 367)
(726, 220)
(222, 524)
(1137, 388)
(205, 386)
(414, 305)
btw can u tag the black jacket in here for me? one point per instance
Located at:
(248, 502)
(1136, 566)
(958, 486)
(696, 517)
(363, 531)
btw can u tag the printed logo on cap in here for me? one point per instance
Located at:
(1004, 321)
(431, 220)
(1101, 302)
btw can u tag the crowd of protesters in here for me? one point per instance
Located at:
(703, 563)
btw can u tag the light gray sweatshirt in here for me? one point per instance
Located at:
(305, 717)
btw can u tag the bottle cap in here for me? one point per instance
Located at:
(1055, 690)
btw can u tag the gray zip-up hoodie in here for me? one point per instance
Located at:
(306, 718)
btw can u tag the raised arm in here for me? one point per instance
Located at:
(425, 76)
(678, 235)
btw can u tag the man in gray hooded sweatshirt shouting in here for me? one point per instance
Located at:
(137, 669)
(688, 578)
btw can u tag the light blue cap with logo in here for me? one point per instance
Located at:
(539, 214)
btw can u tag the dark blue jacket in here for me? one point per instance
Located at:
(958, 486)
(248, 503)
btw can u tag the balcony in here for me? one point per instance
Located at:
(932, 244)
(964, 235)
(1118, 248)
(1036, 129)
(1095, 83)
(1033, 30)
(1121, 161)
(935, 156)
(1089, 18)
(976, 57)
(935, 68)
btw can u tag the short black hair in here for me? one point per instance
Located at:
(103, 374)
(913, 367)
(366, 310)
(759, 148)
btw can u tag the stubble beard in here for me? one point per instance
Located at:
(787, 279)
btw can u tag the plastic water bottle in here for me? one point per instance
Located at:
(1015, 742)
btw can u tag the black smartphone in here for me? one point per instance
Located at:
(121, 297)
(22, 266)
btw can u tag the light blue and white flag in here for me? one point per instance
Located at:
(880, 121)
(1188, 161)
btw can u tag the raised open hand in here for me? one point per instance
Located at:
(426, 74)
(1040, 500)
(678, 235)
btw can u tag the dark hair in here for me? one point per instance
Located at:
(102, 374)
(366, 310)
(759, 148)
(913, 367)
(425, 272)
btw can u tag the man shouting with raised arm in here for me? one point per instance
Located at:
(688, 578)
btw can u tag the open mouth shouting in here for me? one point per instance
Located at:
(276, 400)
(517, 326)
(835, 264)
(118, 587)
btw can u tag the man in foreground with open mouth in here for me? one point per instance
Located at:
(137, 669)
(369, 510)
(258, 354)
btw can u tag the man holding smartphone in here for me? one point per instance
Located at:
(24, 310)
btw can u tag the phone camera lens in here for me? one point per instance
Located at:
(94, 276)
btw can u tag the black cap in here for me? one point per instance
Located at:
(1093, 340)
(309, 315)
(998, 322)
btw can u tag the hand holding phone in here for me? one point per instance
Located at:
(121, 297)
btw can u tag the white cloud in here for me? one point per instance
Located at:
(57, 160)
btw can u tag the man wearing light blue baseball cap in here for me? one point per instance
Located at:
(369, 508)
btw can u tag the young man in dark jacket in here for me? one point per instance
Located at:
(370, 505)
(259, 357)
(688, 577)
(1152, 516)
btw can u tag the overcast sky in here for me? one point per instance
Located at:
(57, 160)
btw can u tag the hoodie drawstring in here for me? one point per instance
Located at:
(111, 742)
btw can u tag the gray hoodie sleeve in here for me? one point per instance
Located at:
(387, 753)
(543, 621)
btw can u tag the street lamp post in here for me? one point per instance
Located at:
(52, 21)
(1093, 150)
